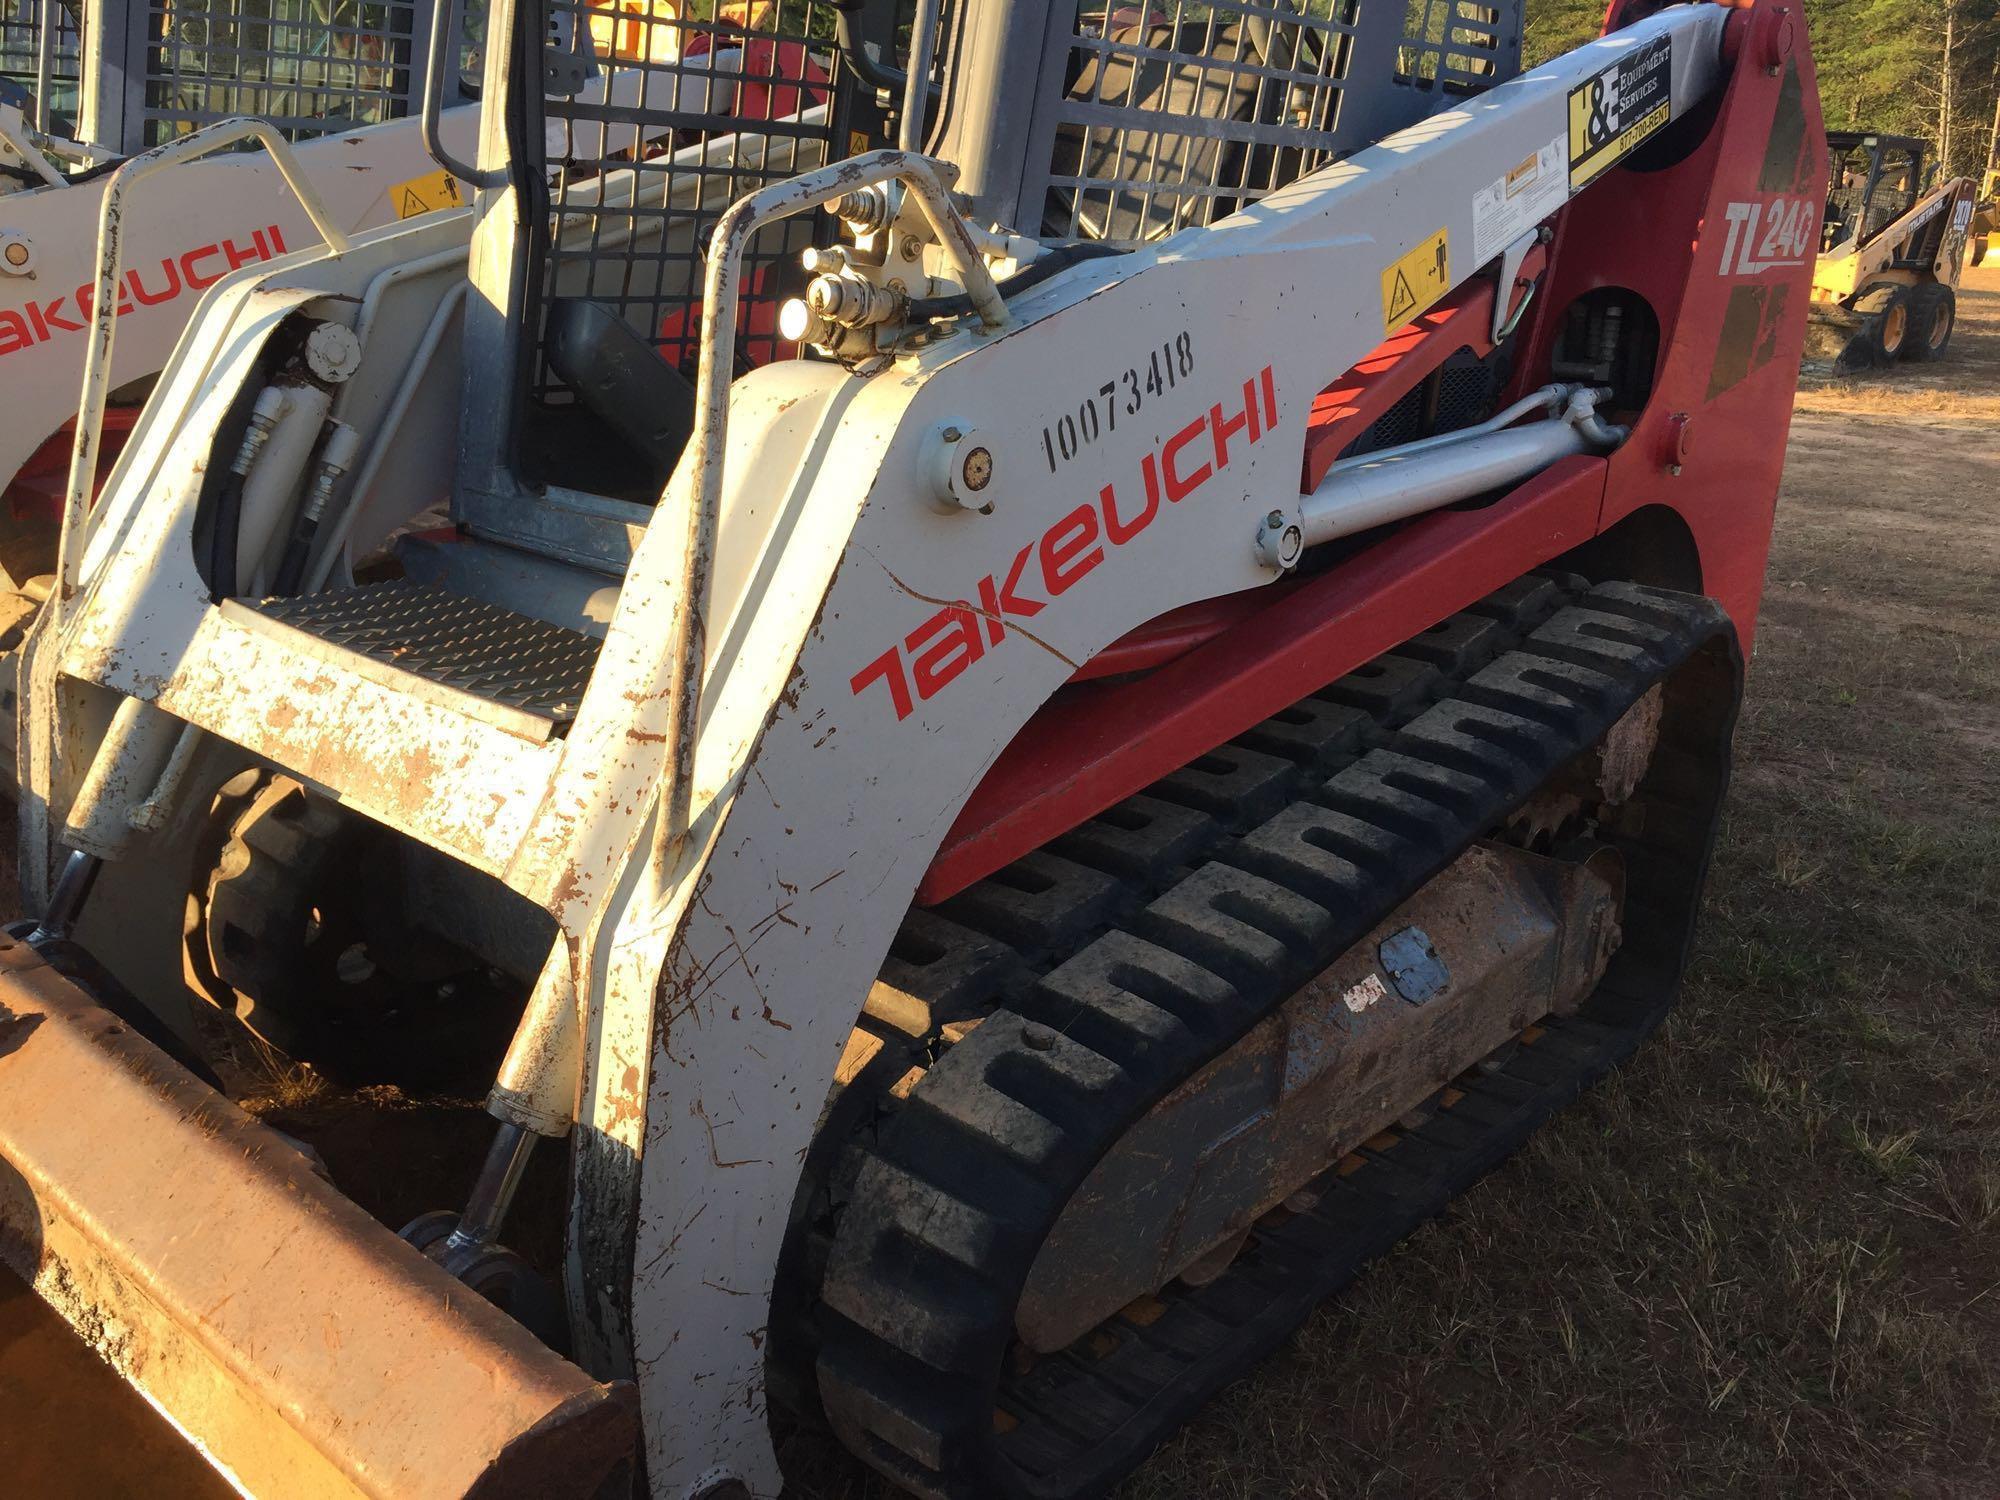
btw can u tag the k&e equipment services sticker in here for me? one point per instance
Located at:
(1611, 113)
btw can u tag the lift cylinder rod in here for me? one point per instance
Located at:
(1393, 485)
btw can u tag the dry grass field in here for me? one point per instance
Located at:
(1762, 1260)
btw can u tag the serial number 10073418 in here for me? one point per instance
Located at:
(1122, 395)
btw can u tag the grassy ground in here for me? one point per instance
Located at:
(1763, 1260)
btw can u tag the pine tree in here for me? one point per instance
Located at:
(1924, 68)
(1553, 27)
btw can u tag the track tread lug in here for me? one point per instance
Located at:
(1593, 639)
(1525, 602)
(1325, 855)
(1466, 794)
(1314, 733)
(957, 971)
(1466, 735)
(1140, 839)
(1231, 782)
(1360, 793)
(1250, 930)
(1458, 642)
(1039, 902)
(1391, 687)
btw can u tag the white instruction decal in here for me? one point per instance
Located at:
(1517, 200)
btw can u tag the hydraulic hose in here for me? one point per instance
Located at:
(925, 309)
(867, 67)
(222, 543)
(336, 457)
(223, 577)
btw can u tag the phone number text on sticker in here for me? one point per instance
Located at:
(1613, 112)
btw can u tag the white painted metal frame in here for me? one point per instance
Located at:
(817, 809)
(716, 977)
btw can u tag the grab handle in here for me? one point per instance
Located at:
(104, 309)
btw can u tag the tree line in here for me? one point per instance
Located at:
(1925, 68)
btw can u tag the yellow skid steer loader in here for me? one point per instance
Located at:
(1892, 247)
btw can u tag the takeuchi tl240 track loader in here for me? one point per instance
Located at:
(1011, 706)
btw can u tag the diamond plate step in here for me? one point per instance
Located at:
(514, 672)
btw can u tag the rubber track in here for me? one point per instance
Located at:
(1276, 868)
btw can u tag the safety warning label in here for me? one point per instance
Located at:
(1613, 112)
(1416, 281)
(420, 195)
(1517, 200)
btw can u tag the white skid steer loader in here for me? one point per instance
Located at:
(342, 83)
(90, 91)
(1021, 701)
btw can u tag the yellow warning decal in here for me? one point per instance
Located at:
(420, 195)
(857, 142)
(1416, 281)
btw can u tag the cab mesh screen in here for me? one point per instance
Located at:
(1178, 115)
(676, 112)
(308, 66)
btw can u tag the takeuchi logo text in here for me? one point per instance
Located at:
(40, 321)
(933, 655)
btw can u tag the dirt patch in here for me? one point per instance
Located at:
(1978, 724)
